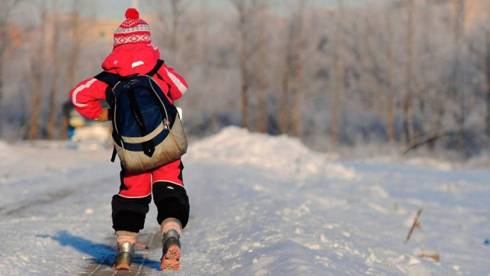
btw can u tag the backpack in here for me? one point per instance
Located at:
(146, 128)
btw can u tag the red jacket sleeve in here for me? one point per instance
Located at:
(86, 97)
(178, 85)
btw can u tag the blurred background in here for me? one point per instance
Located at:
(402, 74)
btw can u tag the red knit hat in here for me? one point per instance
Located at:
(132, 30)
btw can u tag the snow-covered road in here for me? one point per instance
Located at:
(260, 205)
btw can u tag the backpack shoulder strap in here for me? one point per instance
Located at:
(156, 68)
(108, 78)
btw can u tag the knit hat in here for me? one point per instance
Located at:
(132, 30)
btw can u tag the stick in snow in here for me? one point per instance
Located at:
(430, 255)
(416, 224)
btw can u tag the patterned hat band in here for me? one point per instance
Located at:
(132, 38)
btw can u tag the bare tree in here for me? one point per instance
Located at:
(177, 8)
(175, 13)
(290, 111)
(379, 64)
(487, 75)
(204, 34)
(37, 78)
(338, 74)
(409, 54)
(6, 7)
(73, 57)
(55, 56)
(390, 93)
(261, 66)
(243, 10)
(458, 75)
(295, 60)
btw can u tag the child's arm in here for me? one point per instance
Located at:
(178, 85)
(86, 97)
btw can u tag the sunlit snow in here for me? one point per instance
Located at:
(260, 205)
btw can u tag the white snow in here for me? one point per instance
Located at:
(94, 133)
(260, 205)
(286, 158)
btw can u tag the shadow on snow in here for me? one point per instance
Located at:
(100, 253)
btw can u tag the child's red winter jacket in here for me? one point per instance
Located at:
(125, 60)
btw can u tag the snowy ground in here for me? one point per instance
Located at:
(259, 206)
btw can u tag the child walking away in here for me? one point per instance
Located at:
(148, 138)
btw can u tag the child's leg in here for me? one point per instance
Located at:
(171, 224)
(129, 209)
(131, 204)
(170, 196)
(126, 236)
(173, 211)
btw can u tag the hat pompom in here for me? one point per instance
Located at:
(132, 13)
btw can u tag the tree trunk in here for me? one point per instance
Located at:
(2, 115)
(456, 85)
(296, 112)
(204, 41)
(52, 129)
(36, 107)
(244, 95)
(5, 8)
(299, 88)
(407, 118)
(284, 102)
(177, 10)
(487, 63)
(292, 86)
(408, 98)
(338, 77)
(243, 57)
(389, 94)
(244, 78)
(38, 63)
(3, 46)
(72, 64)
(262, 112)
(390, 120)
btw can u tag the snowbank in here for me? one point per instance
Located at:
(281, 155)
(6, 157)
(5, 149)
(260, 205)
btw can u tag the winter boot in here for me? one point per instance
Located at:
(125, 249)
(171, 251)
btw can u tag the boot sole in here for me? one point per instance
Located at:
(121, 267)
(171, 260)
(123, 262)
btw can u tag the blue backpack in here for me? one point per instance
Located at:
(146, 128)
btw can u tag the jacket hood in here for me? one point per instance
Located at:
(129, 59)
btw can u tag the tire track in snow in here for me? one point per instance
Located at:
(44, 199)
(48, 198)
